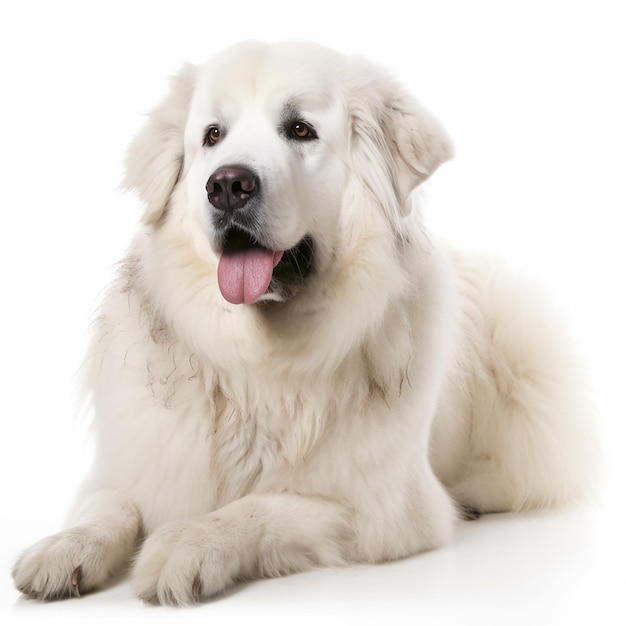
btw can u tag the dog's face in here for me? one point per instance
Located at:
(265, 170)
(269, 144)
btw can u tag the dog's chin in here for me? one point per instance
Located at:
(291, 272)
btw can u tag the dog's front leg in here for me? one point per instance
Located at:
(257, 535)
(104, 534)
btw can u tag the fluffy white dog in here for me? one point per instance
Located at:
(287, 371)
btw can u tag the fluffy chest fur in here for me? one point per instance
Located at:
(185, 432)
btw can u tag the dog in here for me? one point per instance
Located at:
(288, 371)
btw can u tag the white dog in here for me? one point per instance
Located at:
(287, 371)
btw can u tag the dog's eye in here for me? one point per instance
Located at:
(302, 131)
(212, 135)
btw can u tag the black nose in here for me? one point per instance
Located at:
(230, 188)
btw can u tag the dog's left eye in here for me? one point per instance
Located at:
(302, 131)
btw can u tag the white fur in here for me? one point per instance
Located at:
(344, 425)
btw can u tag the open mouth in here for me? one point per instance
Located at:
(249, 272)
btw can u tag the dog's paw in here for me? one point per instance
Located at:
(63, 565)
(184, 562)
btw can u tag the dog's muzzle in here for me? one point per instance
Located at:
(249, 269)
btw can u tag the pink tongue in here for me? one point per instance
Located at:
(244, 276)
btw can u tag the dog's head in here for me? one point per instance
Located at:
(268, 144)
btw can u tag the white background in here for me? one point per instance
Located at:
(533, 95)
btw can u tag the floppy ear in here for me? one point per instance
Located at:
(154, 159)
(396, 143)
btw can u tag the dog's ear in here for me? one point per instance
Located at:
(154, 159)
(396, 143)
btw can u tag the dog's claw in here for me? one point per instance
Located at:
(196, 588)
(75, 580)
(469, 514)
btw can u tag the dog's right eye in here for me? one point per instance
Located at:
(212, 135)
